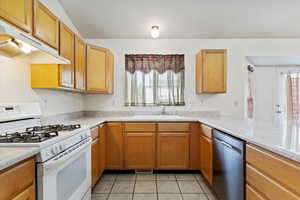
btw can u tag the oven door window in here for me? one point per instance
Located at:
(71, 177)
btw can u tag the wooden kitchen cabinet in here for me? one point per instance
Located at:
(100, 70)
(28, 194)
(95, 155)
(66, 50)
(140, 150)
(206, 153)
(102, 148)
(270, 176)
(45, 25)
(18, 181)
(80, 64)
(114, 146)
(18, 13)
(173, 150)
(211, 71)
(195, 146)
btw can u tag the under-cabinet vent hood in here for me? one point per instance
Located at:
(21, 46)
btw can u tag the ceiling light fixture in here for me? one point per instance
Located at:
(155, 31)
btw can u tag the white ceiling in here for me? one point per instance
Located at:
(185, 18)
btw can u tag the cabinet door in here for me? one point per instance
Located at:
(195, 146)
(28, 194)
(173, 150)
(80, 64)
(46, 25)
(206, 158)
(140, 150)
(102, 147)
(95, 161)
(114, 146)
(18, 13)
(96, 69)
(66, 49)
(211, 72)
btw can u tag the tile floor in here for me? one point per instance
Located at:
(157, 186)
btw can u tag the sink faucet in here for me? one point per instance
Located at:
(163, 110)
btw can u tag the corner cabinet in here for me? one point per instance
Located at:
(18, 13)
(206, 153)
(66, 49)
(45, 25)
(211, 71)
(100, 70)
(114, 146)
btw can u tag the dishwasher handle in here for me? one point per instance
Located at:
(228, 145)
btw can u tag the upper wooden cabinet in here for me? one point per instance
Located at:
(66, 49)
(18, 13)
(211, 71)
(80, 64)
(45, 25)
(99, 70)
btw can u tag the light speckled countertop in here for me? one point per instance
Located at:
(278, 138)
(12, 155)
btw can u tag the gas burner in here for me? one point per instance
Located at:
(27, 136)
(56, 127)
(36, 134)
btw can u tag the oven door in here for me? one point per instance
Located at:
(68, 175)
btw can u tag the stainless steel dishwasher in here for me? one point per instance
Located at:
(228, 167)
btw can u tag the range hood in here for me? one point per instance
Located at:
(21, 46)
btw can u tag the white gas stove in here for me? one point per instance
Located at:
(64, 151)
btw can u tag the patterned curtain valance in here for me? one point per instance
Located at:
(160, 63)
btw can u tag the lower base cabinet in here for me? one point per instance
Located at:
(18, 182)
(173, 150)
(206, 158)
(114, 146)
(28, 194)
(140, 150)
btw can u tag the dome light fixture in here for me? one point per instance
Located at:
(155, 31)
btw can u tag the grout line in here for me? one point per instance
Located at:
(114, 182)
(179, 188)
(135, 179)
(156, 186)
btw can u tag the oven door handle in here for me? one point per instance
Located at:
(57, 161)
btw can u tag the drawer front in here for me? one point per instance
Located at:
(16, 179)
(251, 194)
(94, 133)
(282, 170)
(206, 131)
(169, 127)
(267, 186)
(139, 127)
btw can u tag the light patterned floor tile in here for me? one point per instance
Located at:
(185, 177)
(166, 177)
(126, 177)
(120, 197)
(146, 177)
(99, 196)
(145, 187)
(145, 197)
(103, 187)
(190, 187)
(167, 187)
(169, 197)
(121, 187)
(194, 197)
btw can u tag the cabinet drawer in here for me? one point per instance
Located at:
(206, 131)
(28, 194)
(132, 127)
(16, 179)
(169, 127)
(267, 186)
(282, 170)
(251, 194)
(94, 133)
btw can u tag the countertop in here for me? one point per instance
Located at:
(283, 138)
(12, 155)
